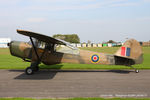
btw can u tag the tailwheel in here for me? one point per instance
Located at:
(136, 70)
(29, 71)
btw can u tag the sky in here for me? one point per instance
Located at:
(94, 20)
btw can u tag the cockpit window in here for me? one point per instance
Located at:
(41, 44)
(38, 44)
(34, 41)
(66, 49)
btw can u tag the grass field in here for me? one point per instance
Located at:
(10, 62)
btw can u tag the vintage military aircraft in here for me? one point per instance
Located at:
(49, 51)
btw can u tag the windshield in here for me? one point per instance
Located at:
(66, 49)
(38, 44)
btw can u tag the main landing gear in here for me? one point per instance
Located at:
(34, 65)
(31, 70)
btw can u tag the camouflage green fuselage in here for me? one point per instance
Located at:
(26, 51)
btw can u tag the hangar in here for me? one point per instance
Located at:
(3, 42)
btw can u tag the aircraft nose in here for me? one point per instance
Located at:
(8, 44)
(19, 49)
(15, 50)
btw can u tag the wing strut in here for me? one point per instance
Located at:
(34, 65)
(34, 49)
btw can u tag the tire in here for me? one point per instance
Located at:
(29, 71)
(137, 71)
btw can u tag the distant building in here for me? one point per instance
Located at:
(94, 45)
(3, 42)
(88, 45)
(105, 45)
(79, 45)
(145, 43)
(109, 44)
(99, 45)
(83, 44)
(119, 44)
(114, 44)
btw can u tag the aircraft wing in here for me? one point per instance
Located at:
(40, 37)
(45, 38)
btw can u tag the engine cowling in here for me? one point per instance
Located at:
(20, 49)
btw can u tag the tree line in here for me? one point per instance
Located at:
(72, 38)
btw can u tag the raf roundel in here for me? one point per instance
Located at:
(95, 58)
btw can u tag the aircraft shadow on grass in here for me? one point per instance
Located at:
(46, 74)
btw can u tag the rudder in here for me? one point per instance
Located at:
(131, 50)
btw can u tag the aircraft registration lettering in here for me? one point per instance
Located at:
(95, 58)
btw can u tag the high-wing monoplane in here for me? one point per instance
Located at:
(49, 51)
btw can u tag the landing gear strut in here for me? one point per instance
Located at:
(33, 68)
(34, 65)
(136, 70)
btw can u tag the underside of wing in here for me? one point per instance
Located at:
(41, 37)
(45, 38)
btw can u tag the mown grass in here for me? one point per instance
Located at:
(110, 50)
(10, 62)
(78, 99)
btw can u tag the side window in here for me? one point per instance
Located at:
(66, 49)
(41, 44)
(38, 44)
(34, 41)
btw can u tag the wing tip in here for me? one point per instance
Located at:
(19, 30)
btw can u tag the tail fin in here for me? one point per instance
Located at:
(131, 50)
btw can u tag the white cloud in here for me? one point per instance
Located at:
(51, 1)
(124, 4)
(36, 20)
(51, 5)
(47, 16)
(9, 2)
(146, 0)
(62, 5)
(143, 19)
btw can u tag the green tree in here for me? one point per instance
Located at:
(111, 41)
(72, 38)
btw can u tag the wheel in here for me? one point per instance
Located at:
(29, 71)
(137, 71)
